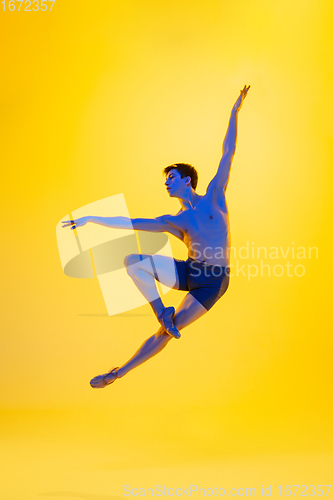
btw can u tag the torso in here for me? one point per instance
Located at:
(206, 230)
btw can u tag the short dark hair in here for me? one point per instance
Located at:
(185, 170)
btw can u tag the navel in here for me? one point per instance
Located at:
(210, 216)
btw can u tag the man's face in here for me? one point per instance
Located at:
(175, 184)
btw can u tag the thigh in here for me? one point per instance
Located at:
(188, 311)
(163, 268)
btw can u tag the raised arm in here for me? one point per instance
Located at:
(221, 179)
(157, 225)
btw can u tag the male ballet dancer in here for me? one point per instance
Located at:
(202, 224)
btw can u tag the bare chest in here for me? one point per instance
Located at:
(206, 222)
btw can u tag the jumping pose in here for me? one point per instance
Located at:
(202, 224)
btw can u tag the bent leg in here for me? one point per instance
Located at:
(144, 269)
(188, 311)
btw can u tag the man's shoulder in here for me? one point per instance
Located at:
(171, 225)
(212, 201)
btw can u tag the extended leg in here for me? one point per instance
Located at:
(188, 311)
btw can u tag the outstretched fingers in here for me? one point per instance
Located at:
(68, 223)
(245, 90)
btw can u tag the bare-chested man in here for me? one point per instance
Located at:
(202, 224)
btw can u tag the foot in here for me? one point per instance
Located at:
(103, 380)
(166, 320)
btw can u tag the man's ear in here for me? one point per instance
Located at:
(188, 181)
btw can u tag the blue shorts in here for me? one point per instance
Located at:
(206, 282)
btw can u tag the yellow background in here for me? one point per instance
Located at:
(96, 99)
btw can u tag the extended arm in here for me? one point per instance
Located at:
(221, 179)
(159, 224)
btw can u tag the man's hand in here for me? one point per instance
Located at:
(76, 223)
(239, 102)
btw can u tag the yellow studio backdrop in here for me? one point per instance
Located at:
(96, 99)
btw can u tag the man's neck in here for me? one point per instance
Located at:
(190, 200)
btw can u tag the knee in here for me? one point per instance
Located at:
(179, 320)
(131, 259)
(163, 336)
